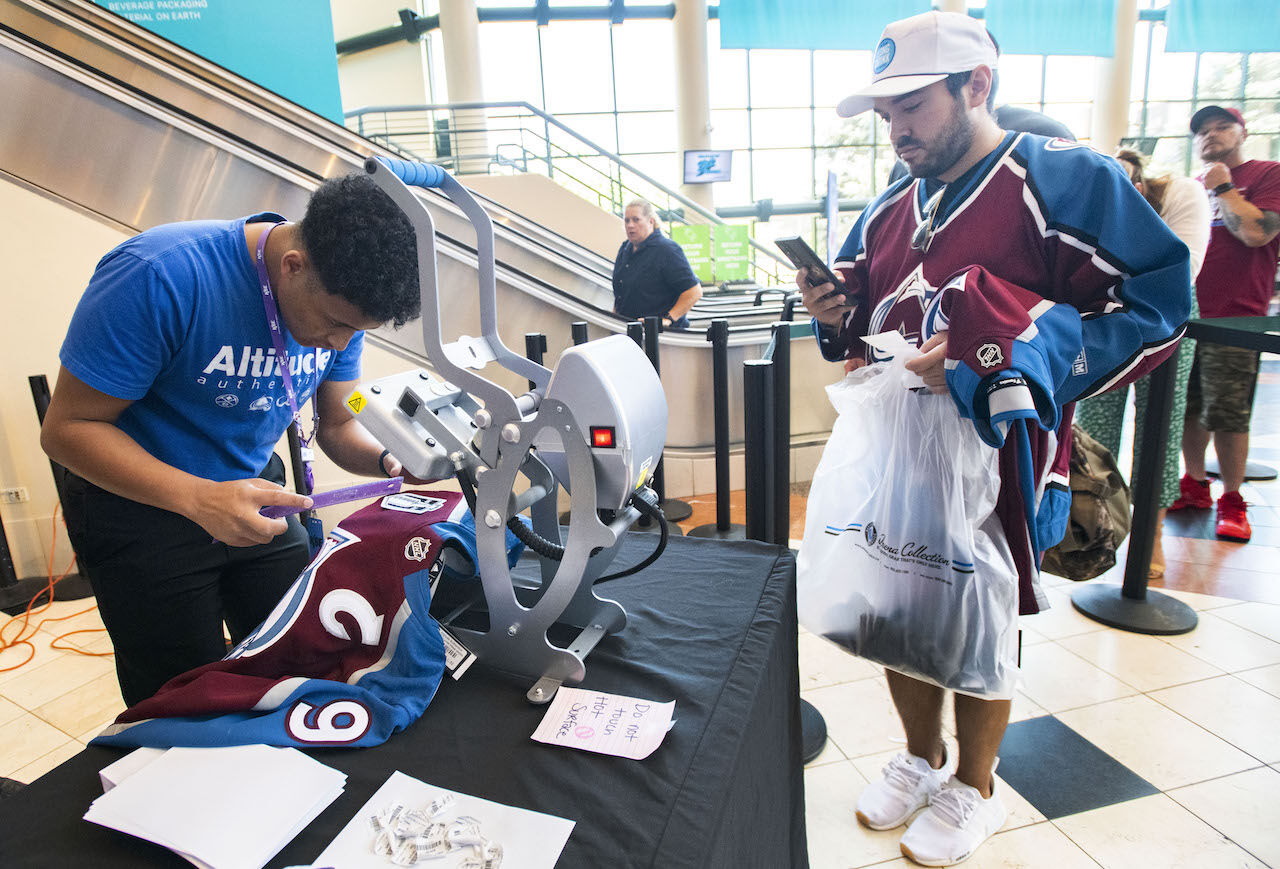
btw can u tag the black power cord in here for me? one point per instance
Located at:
(645, 500)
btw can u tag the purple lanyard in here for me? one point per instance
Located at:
(282, 354)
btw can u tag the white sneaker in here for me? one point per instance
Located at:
(957, 821)
(908, 783)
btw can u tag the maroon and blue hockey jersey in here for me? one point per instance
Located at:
(1054, 279)
(348, 657)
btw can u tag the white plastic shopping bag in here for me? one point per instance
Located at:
(903, 560)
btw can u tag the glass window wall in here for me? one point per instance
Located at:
(616, 85)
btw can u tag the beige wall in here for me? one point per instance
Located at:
(391, 75)
(558, 209)
(47, 253)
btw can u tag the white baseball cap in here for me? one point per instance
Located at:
(918, 51)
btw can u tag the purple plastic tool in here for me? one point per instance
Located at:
(376, 489)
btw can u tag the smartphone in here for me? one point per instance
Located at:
(804, 257)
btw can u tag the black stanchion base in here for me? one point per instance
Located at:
(813, 731)
(9, 787)
(712, 530)
(1157, 614)
(675, 510)
(14, 598)
(673, 530)
(1253, 471)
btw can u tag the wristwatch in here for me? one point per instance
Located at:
(1223, 188)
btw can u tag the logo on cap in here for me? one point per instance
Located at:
(884, 55)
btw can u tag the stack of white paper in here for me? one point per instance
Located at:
(222, 808)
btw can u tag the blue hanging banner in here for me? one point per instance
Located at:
(1222, 25)
(806, 24)
(284, 45)
(1081, 27)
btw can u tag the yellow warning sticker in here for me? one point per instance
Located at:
(356, 402)
(644, 471)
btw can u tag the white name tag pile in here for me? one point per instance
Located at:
(410, 836)
(408, 822)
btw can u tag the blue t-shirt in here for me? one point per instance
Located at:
(172, 319)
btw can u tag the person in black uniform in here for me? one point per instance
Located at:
(651, 275)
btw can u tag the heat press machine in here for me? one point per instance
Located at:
(595, 425)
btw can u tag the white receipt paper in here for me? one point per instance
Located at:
(605, 723)
(530, 840)
(189, 798)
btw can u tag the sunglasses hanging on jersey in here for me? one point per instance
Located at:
(924, 232)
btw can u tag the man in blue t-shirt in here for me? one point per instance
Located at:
(172, 395)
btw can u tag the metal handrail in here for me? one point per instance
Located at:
(551, 121)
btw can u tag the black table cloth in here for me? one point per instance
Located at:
(711, 625)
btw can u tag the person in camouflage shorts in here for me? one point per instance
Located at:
(1231, 377)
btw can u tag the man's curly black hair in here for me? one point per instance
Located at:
(363, 248)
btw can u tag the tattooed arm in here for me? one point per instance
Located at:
(1253, 226)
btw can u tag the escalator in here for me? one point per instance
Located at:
(106, 117)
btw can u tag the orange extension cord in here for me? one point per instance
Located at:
(26, 632)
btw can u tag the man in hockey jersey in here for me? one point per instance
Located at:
(1032, 274)
(193, 349)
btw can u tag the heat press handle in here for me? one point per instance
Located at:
(412, 173)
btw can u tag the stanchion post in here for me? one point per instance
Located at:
(1130, 607)
(535, 348)
(578, 329)
(1146, 480)
(722, 529)
(759, 394)
(635, 331)
(40, 394)
(674, 509)
(718, 335)
(757, 401)
(782, 433)
(652, 328)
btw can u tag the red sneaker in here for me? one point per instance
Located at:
(1233, 518)
(1192, 495)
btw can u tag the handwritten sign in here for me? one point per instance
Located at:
(605, 723)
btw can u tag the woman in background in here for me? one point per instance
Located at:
(1184, 206)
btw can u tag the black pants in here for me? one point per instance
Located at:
(164, 587)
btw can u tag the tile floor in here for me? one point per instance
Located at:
(1195, 716)
(1191, 719)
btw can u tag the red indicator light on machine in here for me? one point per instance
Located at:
(602, 436)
